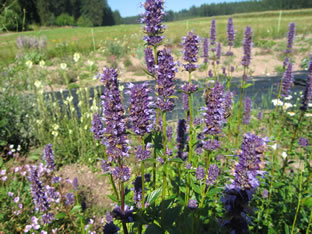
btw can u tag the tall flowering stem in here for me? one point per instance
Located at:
(238, 194)
(141, 118)
(165, 73)
(190, 55)
(245, 62)
(229, 54)
(152, 18)
(115, 136)
(290, 40)
(303, 108)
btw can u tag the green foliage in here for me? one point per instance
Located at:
(10, 20)
(64, 19)
(16, 126)
(83, 21)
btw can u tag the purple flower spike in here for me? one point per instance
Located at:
(69, 199)
(213, 173)
(290, 37)
(211, 145)
(165, 74)
(285, 62)
(214, 111)
(190, 52)
(303, 142)
(113, 111)
(287, 80)
(247, 47)
(192, 204)
(200, 173)
(206, 50)
(218, 53)
(48, 157)
(181, 138)
(185, 99)
(141, 112)
(260, 115)
(142, 154)
(38, 194)
(122, 174)
(149, 60)
(230, 32)
(110, 228)
(249, 165)
(308, 89)
(97, 127)
(247, 111)
(213, 35)
(75, 184)
(152, 18)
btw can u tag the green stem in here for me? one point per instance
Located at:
(273, 166)
(157, 124)
(114, 186)
(187, 194)
(292, 141)
(143, 192)
(310, 221)
(240, 104)
(164, 155)
(299, 201)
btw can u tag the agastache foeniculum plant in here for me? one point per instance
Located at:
(207, 168)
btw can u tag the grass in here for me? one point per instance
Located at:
(79, 39)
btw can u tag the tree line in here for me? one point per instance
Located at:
(229, 8)
(17, 14)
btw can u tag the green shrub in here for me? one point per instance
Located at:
(65, 19)
(83, 21)
(10, 20)
(15, 121)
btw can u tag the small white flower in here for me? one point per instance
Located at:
(76, 57)
(4, 178)
(29, 64)
(284, 155)
(274, 147)
(63, 66)
(277, 102)
(56, 127)
(90, 63)
(11, 146)
(16, 200)
(70, 131)
(38, 84)
(69, 98)
(94, 77)
(287, 105)
(19, 147)
(291, 113)
(288, 98)
(121, 88)
(3, 172)
(308, 115)
(310, 105)
(42, 63)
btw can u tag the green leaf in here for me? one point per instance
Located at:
(60, 215)
(153, 196)
(113, 198)
(153, 229)
(308, 202)
(247, 85)
(177, 160)
(75, 208)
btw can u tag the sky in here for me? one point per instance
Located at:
(132, 7)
